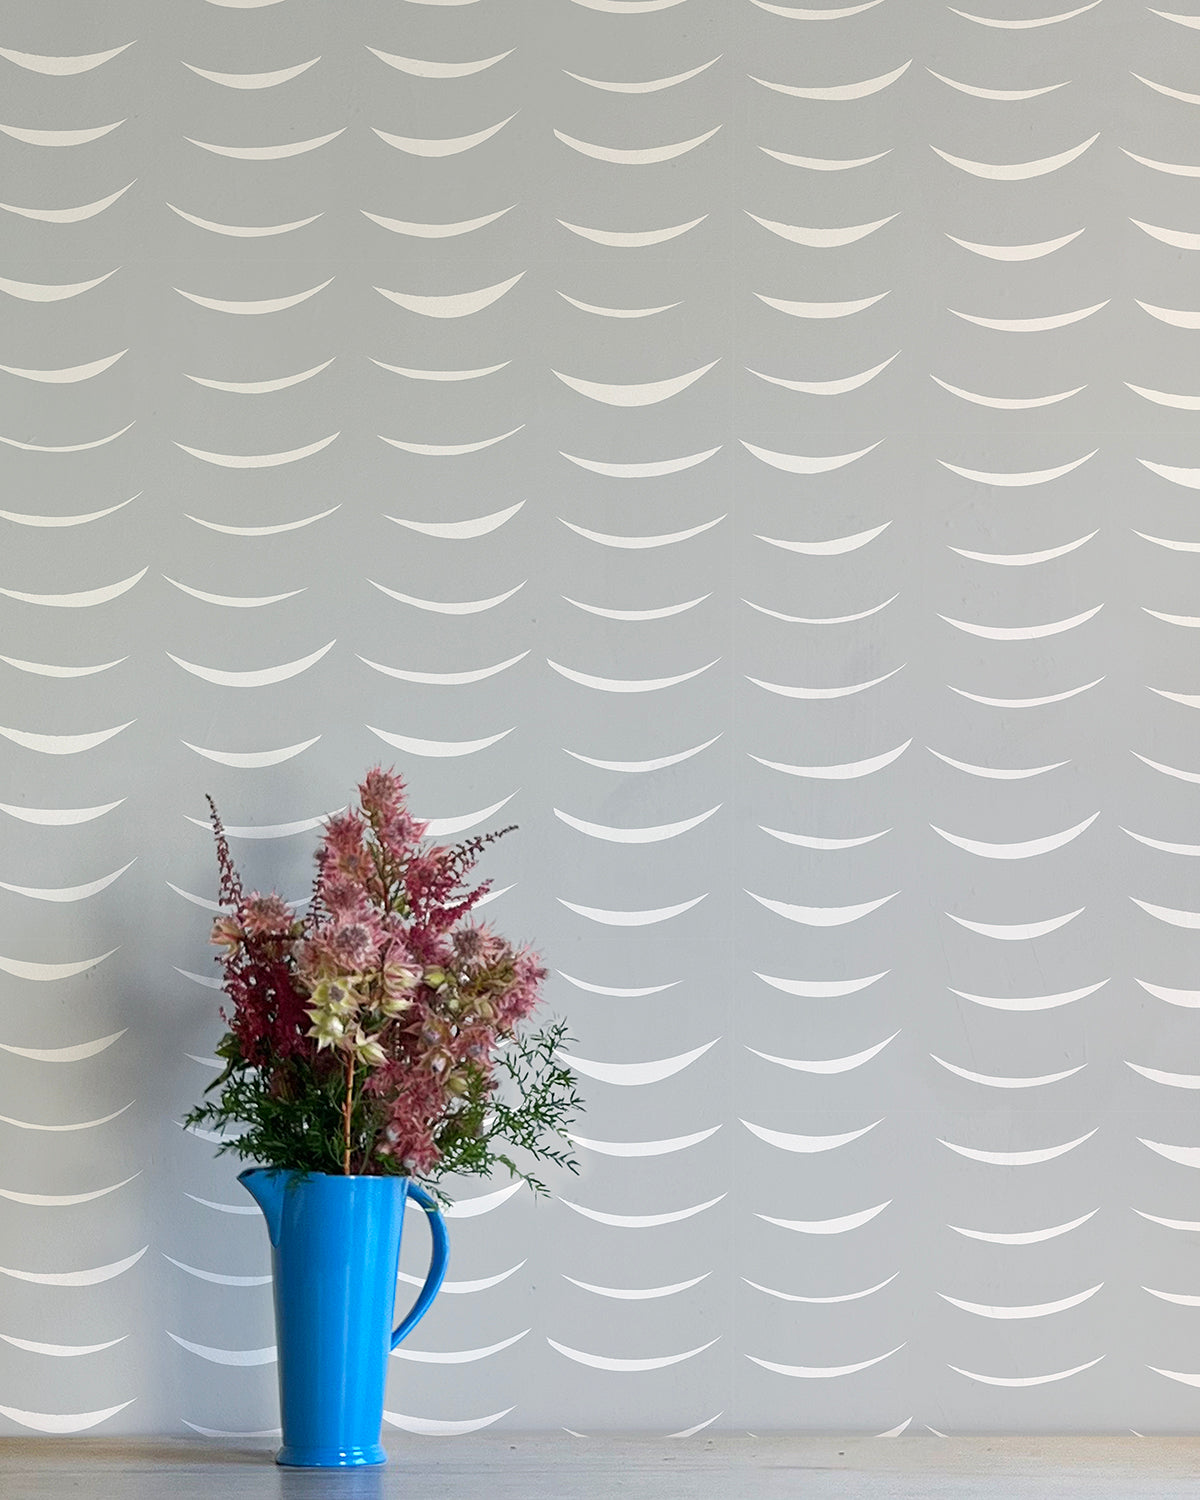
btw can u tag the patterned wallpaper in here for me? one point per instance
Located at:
(750, 446)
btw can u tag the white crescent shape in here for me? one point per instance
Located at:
(62, 744)
(253, 308)
(639, 156)
(1174, 169)
(1009, 403)
(66, 1055)
(459, 1288)
(784, 691)
(225, 1208)
(653, 470)
(648, 393)
(650, 835)
(444, 679)
(811, 841)
(1023, 632)
(1165, 398)
(81, 600)
(1192, 776)
(244, 231)
(627, 7)
(435, 231)
(1190, 849)
(257, 831)
(1189, 478)
(449, 450)
(443, 146)
(845, 771)
(66, 893)
(68, 215)
(645, 1148)
(59, 816)
(1017, 171)
(841, 1225)
(796, 463)
(1031, 325)
(654, 85)
(260, 387)
(1191, 21)
(418, 68)
(618, 312)
(1018, 1158)
(826, 620)
(827, 387)
(1066, 15)
(457, 1356)
(254, 80)
(845, 1297)
(260, 677)
(603, 1362)
(61, 1200)
(833, 548)
(1177, 1297)
(631, 918)
(461, 530)
(205, 904)
(1179, 1375)
(264, 530)
(224, 1431)
(259, 460)
(633, 1074)
(991, 1080)
(1188, 998)
(439, 748)
(1168, 914)
(640, 1221)
(1176, 317)
(216, 1277)
(442, 607)
(1028, 477)
(821, 239)
(1169, 1223)
(662, 539)
(1030, 1002)
(821, 1372)
(841, 90)
(1026, 1237)
(1026, 702)
(633, 239)
(34, 291)
(66, 447)
(1023, 1380)
(821, 989)
(61, 67)
(70, 375)
(637, 1294)
(824, 164)
(439, 374)
(621, 994)
(829, 1065)
(1017, 252)
(807, 1144)
(454, 305)
(227, 1356)
(631, 684)
(795, 13)
(821, 916)
(267, 153)
(1179, 238)
(44, 669)
(78, 520)
(1023, 559)
(1011, 932)
(72, 1421)
(432, 1426)
(1170, 93)
(1002, 94)
(440, 827)
(483, 1203)
(91, 1277)
(633, 614)
(644, 765)
(1172, 1080)
(994, 774)
(252, 759)
(233, 601)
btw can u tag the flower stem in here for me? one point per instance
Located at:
(346, 1111)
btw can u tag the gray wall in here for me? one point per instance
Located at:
(737, 937)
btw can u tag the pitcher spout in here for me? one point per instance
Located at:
(265, 1186)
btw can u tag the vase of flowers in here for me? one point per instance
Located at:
(382, 1038)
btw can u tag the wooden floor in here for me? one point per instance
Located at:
(553, 1466)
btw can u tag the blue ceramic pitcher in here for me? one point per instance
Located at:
(335, 1252)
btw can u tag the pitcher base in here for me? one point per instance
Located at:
(293, 1456)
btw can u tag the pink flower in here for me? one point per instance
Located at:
(382, 793)
(227, 933)
(266, 916)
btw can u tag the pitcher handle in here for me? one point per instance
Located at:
(437, 1263)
